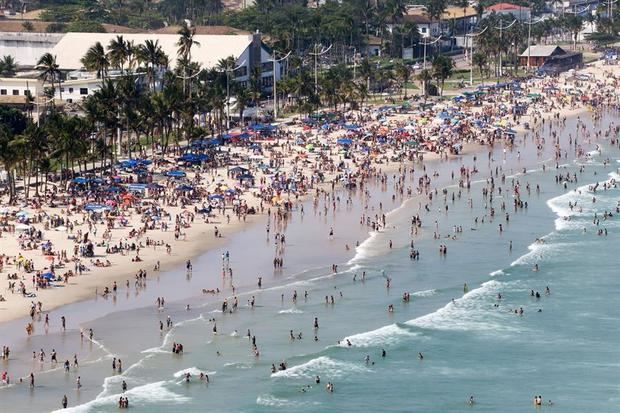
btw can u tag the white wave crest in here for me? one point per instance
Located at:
(321, 366)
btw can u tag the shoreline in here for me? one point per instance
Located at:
(89, 284)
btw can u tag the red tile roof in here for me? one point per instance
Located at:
(505, 7)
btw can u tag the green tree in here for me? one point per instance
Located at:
(118, 53)
(479, 60)
(96, 60)
(425, 78)
(8, 66)
(403, 74)
(49, 71)
(442, 69)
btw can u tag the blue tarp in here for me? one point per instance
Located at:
(48, 275)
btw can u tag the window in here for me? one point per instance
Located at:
(242, 71)
(70, 90)
(2, 91)
(83, 91)
(25, 92)
(423, 29)
(267, 81)
(267, 67)
(243, 84)
(15, 92)
(62, 90)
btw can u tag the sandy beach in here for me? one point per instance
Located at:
(199, 236)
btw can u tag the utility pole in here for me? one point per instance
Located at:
(424, 60)
(529, 40)
(316, 57)
(471, 54)
(501, 28)
(275, 93)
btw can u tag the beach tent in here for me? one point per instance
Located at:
(238, 169)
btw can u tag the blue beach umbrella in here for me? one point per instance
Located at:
(176, 174)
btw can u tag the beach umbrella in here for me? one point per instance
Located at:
(344, 141)
(80, 180)
(48, 275)
(22, 214)
(184, 188)
(176, 174)
(216, 197)
(95, 207)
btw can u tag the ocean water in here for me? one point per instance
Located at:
(564, 346)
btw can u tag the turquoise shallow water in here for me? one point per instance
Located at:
(473, 343)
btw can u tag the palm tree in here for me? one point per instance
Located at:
(8, 66)
(185, 44)
(242, 95)
(96, 60)
(9, 159)
(118, 52)
(425, 77)
(402, 74)
(442, 69)
(480, 60)
(151, 54)
(49, 71)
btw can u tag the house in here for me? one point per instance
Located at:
(69, 48)
(553, 58)
(514, 11)
(373, 46)
(579, 7)
(454, 21)
(458, 20)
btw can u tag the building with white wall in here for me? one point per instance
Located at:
(247, 49)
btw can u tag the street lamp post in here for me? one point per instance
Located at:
(316, 56)
(471, 54)
(501, 28)
(529, 40)
(424, 60)
(228, 70)
(275, 93)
